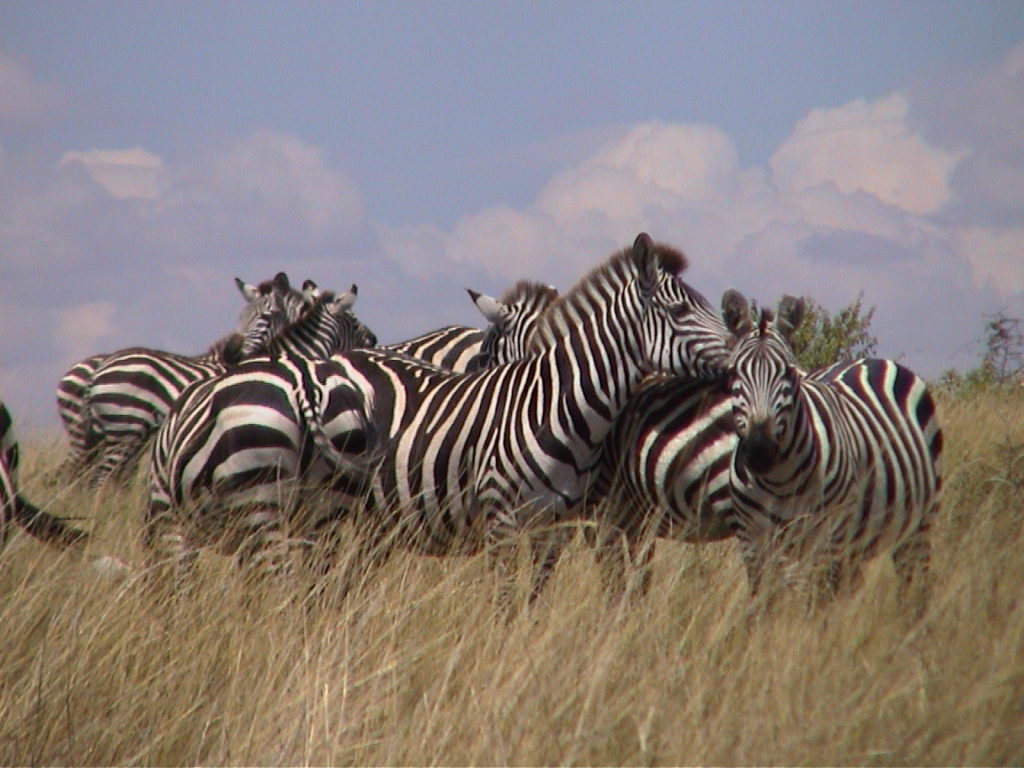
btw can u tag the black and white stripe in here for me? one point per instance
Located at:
(513, 319)
(132, 390)
(471, 460)
(840, 463)
(664, 473)
(86, 438)
(238, 447)
(237, 440)
(14, 508)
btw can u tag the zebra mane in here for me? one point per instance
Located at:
(528, 290)
(618, 269)
(767, 318)
(225, 349)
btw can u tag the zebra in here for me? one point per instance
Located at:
(132, 390)
(459, 463)
(220, 423)
(237, 447)
(837, 464)
(663, 473)
(84, 437)
(14, 508)
(511, 321)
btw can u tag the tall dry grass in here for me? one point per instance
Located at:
(416, 668)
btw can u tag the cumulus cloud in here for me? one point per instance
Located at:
(141, 250)
(867, 147)
(856, 199)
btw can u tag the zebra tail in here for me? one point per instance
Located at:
(46, 527)
(357, 466)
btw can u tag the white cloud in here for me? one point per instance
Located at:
(124, 173)
(847, 204)
(870, 147)
(23, 99)
(996, 257)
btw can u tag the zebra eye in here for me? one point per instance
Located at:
(680, 310)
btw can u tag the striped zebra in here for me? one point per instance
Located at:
(206, 406)
(834, 465)
(237, 448)
(664, 473)
(132, 391)
(511, 321)
(84, 437)
(14, 508)
(467, 462)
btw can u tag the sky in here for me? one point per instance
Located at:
(152, 152)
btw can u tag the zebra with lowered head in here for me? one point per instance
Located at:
(460, 463)
(833, 465)
(14, 508)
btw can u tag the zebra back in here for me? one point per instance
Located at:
(451, 348)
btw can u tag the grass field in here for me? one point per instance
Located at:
(417, 668)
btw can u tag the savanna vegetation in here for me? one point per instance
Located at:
(417, 667)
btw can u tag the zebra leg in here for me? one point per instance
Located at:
(912, 559)
(117, 462)
(264, 554)
(171, 555)
(546, 547)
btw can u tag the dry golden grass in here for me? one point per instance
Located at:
(417, 669)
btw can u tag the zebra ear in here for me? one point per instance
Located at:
(492, 309)
(646, 263)
(249, 292)
(736, 313)
(310, 292)
(346, 301)
(791, 314)
(281, 282)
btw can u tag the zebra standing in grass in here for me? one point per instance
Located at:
(15, 508)
(237, 446)
(132, 391)
(664, 473)
(461, 462)
(838, 464)
(85, 437)
(234, 437)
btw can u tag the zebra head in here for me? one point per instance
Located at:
(291, 301)
(682, 334)
(354, 333)
(512, 321)
(261, 320)
(764, 379)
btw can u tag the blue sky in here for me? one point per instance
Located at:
(150, 152)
